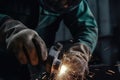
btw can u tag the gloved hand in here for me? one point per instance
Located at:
(25, 43)
(76, 60)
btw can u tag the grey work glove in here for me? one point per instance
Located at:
(25, 43)
(76, 60)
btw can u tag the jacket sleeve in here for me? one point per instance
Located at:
(82, 25)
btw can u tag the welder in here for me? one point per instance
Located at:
(28, 28)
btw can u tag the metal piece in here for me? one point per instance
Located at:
(53, 61)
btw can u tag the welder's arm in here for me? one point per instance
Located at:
(25, 43)
(83, 27)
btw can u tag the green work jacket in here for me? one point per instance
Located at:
(79, 21)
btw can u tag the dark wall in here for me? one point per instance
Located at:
(115, 23)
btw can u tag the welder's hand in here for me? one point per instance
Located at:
(76, 60)
(25, 43)
(80, 50)
(78, 55)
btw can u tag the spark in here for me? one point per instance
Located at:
(63, 69)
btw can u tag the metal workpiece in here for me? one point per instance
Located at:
(53, 61)
(54, 52)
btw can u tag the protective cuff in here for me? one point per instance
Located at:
(80, 50)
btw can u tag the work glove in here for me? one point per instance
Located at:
(23, 42)
(76, 60)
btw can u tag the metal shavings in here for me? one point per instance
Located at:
(91, 74)
(43, 73)
(111, 71)
(44, 77)
(117, 65)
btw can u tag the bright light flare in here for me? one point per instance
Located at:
(63, 69)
